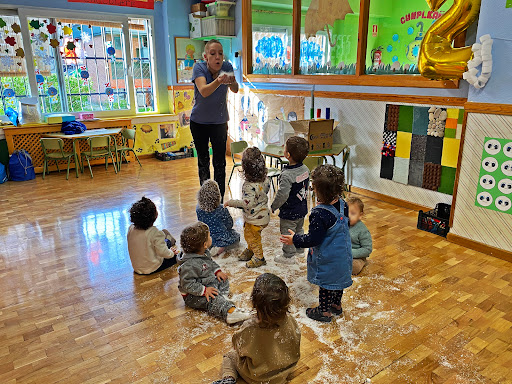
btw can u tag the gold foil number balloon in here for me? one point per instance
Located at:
(437, 58)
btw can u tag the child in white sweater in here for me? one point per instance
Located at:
(150, 249)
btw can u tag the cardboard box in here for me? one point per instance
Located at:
(199, 14)
(198, 7)
(57, 118)
(317, 132)
(194, 23)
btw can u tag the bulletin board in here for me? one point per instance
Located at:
(494, 189)
(420, 146)
(187, 53)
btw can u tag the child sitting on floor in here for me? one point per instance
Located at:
(216, 217)
(254, 203)
(291, 197)
(359, 235)
(330, 254)
(267, 347)
(202, 282)
(150, 249)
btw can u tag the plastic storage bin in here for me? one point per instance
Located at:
(217, 26)
(436, 220)
(221, 8)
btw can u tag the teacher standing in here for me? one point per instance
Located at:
(209, 117)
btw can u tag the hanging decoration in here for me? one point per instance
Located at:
(67, 30)
(70, 46)
(84, 74)
(111, 51)
(35, 24)
(6, 61)
(16, 28)
(9, 96)
(54, 43)
(482, 56)
(2, 23)
(51, 28)
(109, 92)
(85, 37)
(323, 13)
(10, 41)
(437, 59)
(20, 52)
(39, 80)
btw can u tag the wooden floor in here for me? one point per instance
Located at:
(72, 311)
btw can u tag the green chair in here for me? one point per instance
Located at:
(99, 147)
(273, 173)
(312, 162)
(127, 134)
(56, 146)
(236, 147)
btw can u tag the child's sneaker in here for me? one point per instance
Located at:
(246, 255)
(255, 263)
(315, 314)
(300, 252)
(284, 260)
(226, 380)
(237, 316)
(217, 251)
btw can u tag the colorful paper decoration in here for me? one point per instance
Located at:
(2, 23)
(51, 28)
(9, 92)
(52, 91)
(70, 46)
(16, 28)
(111, 51)
(67, 30)
(6, 61)
(109, 92)
(494, 190)
(54, 43)
(10, 41)
(84, 74)
(35, 24)
(20, 52)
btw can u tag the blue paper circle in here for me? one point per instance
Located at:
(416, 51)
(111, 51)
(395, 58)
(84, 74)
(410, 30)
(39, 79)
(395, 37)
(52, 91)
(109, 91)
(9, 92)
(390, 48)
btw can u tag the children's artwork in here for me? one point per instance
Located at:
(184, 118)
(167, 131)
(494, 189)
(420, 146)
(188, 52)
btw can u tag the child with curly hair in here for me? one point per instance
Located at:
(212, 213)
(267, 347)
(150, 249)
(254, 203)
(330, 249)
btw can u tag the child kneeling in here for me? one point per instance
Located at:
(150, 249)
(202, 282)
(210, 211)
(359, 235)
(267, 347)
(330, 252)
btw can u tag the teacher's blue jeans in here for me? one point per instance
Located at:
(217, 134)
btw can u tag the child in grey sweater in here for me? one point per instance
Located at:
(359, 235)
(291, 197)
(202, 282)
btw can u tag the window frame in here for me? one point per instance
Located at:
(24, 13)
(360, 78)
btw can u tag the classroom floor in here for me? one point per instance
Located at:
(72, 311)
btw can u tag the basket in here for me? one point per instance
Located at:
(436, 220)
(217, 26)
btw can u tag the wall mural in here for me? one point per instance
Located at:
(421, 146)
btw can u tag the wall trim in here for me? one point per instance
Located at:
(412, 99)
(181, 86)
(488, 108)
(480, 247)
(388, 199)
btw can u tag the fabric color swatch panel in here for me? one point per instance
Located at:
(431, 176)
(415, 173)
(401, 170)
(403, 144)
(450, 133)
(418, 147)
(389, 137)
(405, 118)
(434, 150)
(450, 153)
(447, 180)
(386, 167)
(420, 121)
(392, 112)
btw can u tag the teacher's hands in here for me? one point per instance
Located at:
(225, 79)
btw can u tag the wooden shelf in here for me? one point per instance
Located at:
(217, 37)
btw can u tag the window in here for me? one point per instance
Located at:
(14, 82)
(75, 65)
(298, 40)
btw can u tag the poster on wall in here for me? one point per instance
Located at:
(188, 52)
(494, 189)
(509, 4)
(147, 4)
(420, 146)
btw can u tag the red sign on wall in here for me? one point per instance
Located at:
(148, 4)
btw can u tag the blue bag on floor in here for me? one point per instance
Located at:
(73, 127)
(3, 174)
(20, 166)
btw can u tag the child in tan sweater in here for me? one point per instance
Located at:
(267, 347)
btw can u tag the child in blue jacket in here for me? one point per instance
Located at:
(330, 249)
(212, 213)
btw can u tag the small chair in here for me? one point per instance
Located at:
(57, 148)
(99, 147)
(236, 147)
(273, 173)
(127, 134)
(312, 162)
